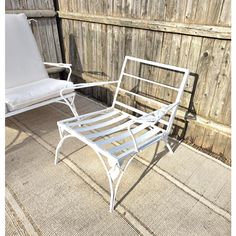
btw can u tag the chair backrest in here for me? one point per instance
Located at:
(179, 90)
(23, 62)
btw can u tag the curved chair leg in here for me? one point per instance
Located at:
(110, 181)
(72, 106)
(70, 102)
(113, 186)
(120, 177)
(59, 147)
(168, 146)
(61, 132)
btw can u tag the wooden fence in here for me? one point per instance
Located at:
(190, 33)
(196, 34)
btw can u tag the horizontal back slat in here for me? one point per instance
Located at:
(157, 64)
(186, 35)
(151, 82)
(144, 97)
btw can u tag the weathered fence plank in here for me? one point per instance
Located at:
(225, 16)
(181, 34)
(196, 34)
(34, 13)
(211, 82)
(220, 106)
(204, 63)
(164, 26)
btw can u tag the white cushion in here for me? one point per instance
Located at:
(22, 57)
(35, 92)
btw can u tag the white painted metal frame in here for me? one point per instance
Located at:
(67, 100)
(117, 158)
(69, 97)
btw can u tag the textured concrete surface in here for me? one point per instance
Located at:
(186, 193)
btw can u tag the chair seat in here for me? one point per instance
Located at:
(107, 128)
(115, 133)
(34, 92)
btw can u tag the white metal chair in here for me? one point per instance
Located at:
(28, 85)
(117, 136)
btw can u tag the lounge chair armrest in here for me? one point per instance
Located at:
(59, 64)
(62, 65)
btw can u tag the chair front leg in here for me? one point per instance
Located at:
(112, 176)
(71, 104)
(60, 145)
(165, 139)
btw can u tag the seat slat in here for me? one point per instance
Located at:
(122, 136)
(97, 118)
(103, 124)
(109, 131)
(141, 147)
(78, 118)
(139, 140)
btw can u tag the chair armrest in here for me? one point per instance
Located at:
(155, 116)
(59, 64)
(84, 85)
(151, 119)
(62, 65)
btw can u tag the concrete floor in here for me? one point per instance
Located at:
(187, 193)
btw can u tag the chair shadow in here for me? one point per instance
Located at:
(189, 115)
(105, 95)
(179, 132)
(75, 60)
(12, 146)
(14, 140)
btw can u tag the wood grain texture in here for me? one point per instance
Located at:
(225, 14)
(212, 82)
(195, 34)
(204, 64)
(169, 32)
(163, 26)
(33, 13)
(220, 105)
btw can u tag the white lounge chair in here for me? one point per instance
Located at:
(28, 85)
(117, 136)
